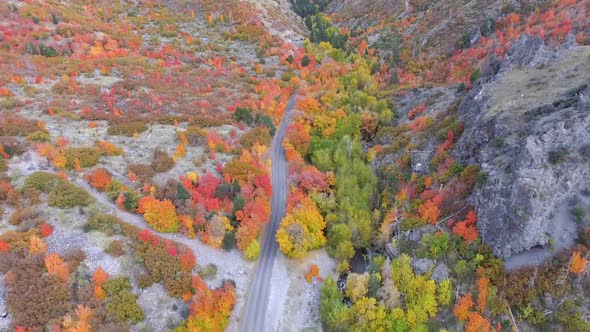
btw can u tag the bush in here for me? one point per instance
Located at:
(258, 134)
(18, 240)
(305, 61)
(47, 51)
(128, 128)
(229, 241)
(475, 76)
(115, 248)
(558, 155)
(208, 272)
(105, 223)
(42, 181)
(195, 135)
(243, 114)
(14, 125)
(87, 157)
(35, 297)
(578, 213)
(23, 215)
(162, 162)
(164, 268)
(142, 171)
(66, 195)
(252, 250)
(121, 302)
(204, 122)
(39, 136)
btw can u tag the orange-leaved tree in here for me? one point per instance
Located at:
(578, 263)
(98, 278)
(55, 265)
(161, 215)
(100, 179)
(466, 228)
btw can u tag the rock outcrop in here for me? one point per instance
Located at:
(528, 127)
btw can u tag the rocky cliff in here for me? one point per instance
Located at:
(528, 127)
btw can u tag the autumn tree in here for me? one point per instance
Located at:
(301, 230)
(467, 228)
(463, 307)
(55, 265)
(578, 263)
(161, 215)
(100, 179)
(210, 309)
(98, 279)
(357, 286)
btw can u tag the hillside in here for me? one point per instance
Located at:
(295, 165)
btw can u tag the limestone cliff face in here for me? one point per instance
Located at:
(528, 127)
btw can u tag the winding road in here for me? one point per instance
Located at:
(253, 319)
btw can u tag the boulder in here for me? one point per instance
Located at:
(422, 265)
(440, 273)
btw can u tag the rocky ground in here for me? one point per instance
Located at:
(294, 303)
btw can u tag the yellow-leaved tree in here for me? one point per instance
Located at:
(301, 230)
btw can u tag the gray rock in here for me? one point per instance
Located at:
(422, 265)
(514, 146)
(440, 273)
(528, 51)
(392, 252)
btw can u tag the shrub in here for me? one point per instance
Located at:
(142, 171)
(585, 151)
(195, 135)
(14, 125)
(108, 149)
(258, 134)
(42, 181)
(241, 170)
(229, 241)
(23, 215)
(5, 190)
(121, 302)
(252, 250)
(162, 162)
(164, 268)
(66, 195)
(435, 245)
(86, 156)
(115, 248)
(127, 128)
(208, 272)
(18, 240)
(35, 297)
(578, 213)
(243, 114)
(100, 179)
(305, 61)
(161, 215)
(105, 223)
(39, 136)
(475, 75)
(47, 51)
(558, 155)
(569, 314)
(204, 122)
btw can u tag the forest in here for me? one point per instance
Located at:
(135, 169)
